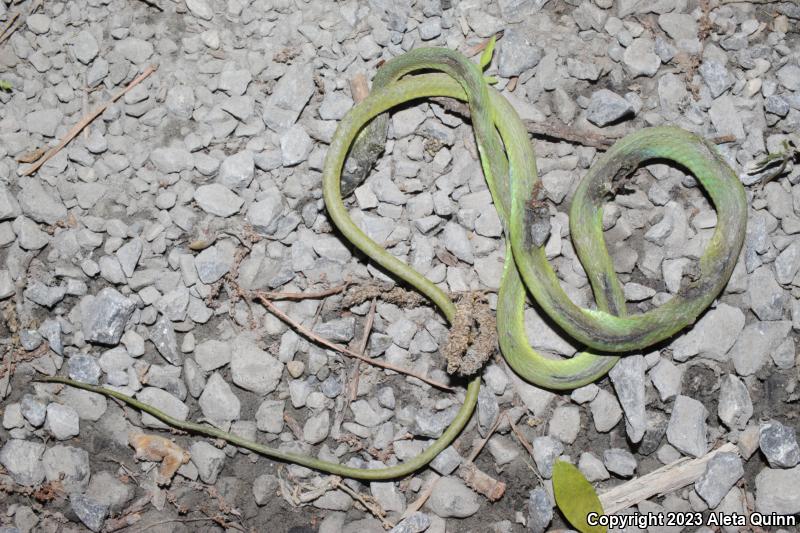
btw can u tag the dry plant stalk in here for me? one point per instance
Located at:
(481, 482)
(155, 448)
(342, 349)
(666, 479)
(85, 121)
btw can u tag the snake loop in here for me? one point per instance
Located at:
(509, 166)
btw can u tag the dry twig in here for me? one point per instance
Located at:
(85, 121)
(666, 479)
(342, 349)
(278, 295)
(369, 504)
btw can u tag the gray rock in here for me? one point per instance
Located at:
(84, 368)
(337, 330)
(68, 465)
(162, 335)
(85, 47)
(415, 523)
(128, 256)
(776, 491)
(606, 107)
(44, 295)
(218, 200)
(254, 369)
(44, 121)
(789, 76)
(172, 160)
(778, 443)
(545, 452)
(295, 146)
(503, 450)
(721, 474)
(517, 54)
(776, 105)
(666, 378)
(38, 23)
(7, 287)
(447, 461)
(9, 207)
(91, 513)
(335, 105)
(592, 467)
(620, 462)
(565, 424)
(787, 264)
(755, 343)
(687, 426)
(386, 493)
(237, 170)
(606, 411)
(103, 317)
(264, 213)
(712, 336)
(289, 97)
(29, 236)
(111, 270)
(640, 57)
(716, 77)
(33, 409)
(269, 416)
(212, 354)
(106, 489)
(455, 239)
(767, 299)
(215, 261)
(135, 50)
(218, 402)
(735, 407)
(22, 459)
(163, 401)
(265, 487)
(200, 9)
(208, 460)
(180, 101)
(38, 204)
(628, 379)
(540, 510)
(725, 118)
(235, 82)
(453, 499)
(679, 26)
(62, 421)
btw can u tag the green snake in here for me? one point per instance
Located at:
(509, 165)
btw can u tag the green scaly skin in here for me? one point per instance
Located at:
(509, 166)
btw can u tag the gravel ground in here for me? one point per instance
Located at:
(120, 259)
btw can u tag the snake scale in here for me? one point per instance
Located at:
(509, 166)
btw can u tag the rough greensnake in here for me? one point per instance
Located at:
(509, 165)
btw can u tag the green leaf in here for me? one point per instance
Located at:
(5, 86)
(576, 497)
(486, 56)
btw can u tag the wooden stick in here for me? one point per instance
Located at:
(278, 295)
(359, 87)
(342, 349)
(666, 479)
(85, 121)
(373, 506)
(3, 35)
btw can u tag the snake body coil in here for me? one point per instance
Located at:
(509, 166)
